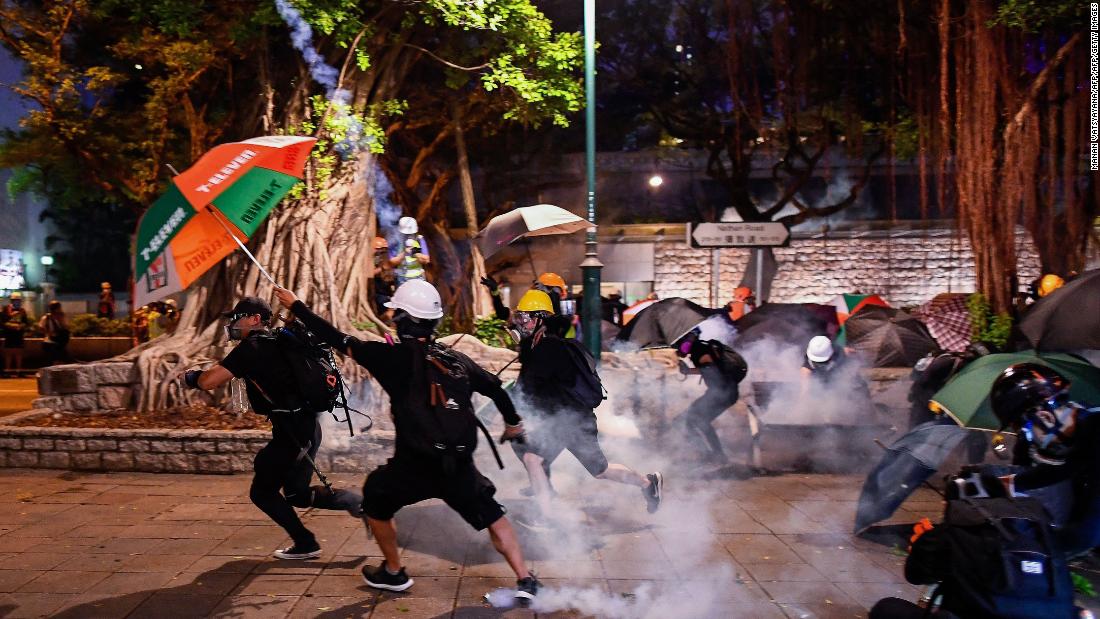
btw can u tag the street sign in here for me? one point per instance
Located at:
(738, 234)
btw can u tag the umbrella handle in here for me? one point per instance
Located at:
(241, 245)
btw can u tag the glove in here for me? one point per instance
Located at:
(489, 283)
(191, 378)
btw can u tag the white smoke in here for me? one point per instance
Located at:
(301, 36)
(388, 211)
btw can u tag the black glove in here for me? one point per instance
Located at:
(489, 283)
(191, 378)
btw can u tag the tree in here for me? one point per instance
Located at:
(125, 86)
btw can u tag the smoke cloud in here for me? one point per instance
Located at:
(388, 211)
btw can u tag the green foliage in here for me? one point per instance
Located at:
(985, 326)
(366, 325)
(1082, 585)
(85, 325)
(493, 331)
(1034, 15)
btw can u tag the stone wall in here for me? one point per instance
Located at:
(87, 387)
(905, 270)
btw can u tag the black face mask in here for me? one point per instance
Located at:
(410, 327)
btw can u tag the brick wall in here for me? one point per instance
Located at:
(906, 271)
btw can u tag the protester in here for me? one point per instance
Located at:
(284, 467)
(153, 322)
(106, 306)
(722, 370)
(558, 380)
(55, 328)
(410, 258)
(931, 373)
(436, 431)
(564, 322)
(612, 309)
(15, 323)
(1057, 440)
(743, 302)
(139, 325)
(383, 278)
(171, 318)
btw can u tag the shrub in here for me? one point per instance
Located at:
(985, 326)
(83, 325)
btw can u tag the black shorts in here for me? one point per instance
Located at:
(400, 482)
(549, 435)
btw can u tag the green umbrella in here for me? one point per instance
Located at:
(966, 397)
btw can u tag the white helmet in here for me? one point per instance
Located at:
(407, 225)
(419, 298)
(820, 349)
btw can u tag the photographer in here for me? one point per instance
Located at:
(430, 389)
(286, 463)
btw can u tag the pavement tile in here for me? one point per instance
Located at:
(411, 607)
(643, 570)
(796, 572)
(32, 560)
(567, 569)
(866, 594)
(823, 611)
(274, 584)
(749, 549)
(805, 592)
(185, 546)
(167, 605)
(258, 606)
(471, 591)
(218, 564)
(94, 562)
(63, 582)
(102, 531)
(333, 584)
(430, 565)
(210, 583)
(332, 607)
(21, 543)
(127, 546)
(132, 582)
(100, 605)
(280, 566)
(498, 569)
(11, 580)
(19, 605)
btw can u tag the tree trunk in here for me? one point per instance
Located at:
(482, 304)
(319, 248)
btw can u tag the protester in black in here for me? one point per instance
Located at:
(722, 370)
(423, 464)
(283, 467)
(549, 381)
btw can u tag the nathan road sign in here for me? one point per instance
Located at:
(739, 234)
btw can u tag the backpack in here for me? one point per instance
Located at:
(441, 402)
(316, 380)
(1003, 562)
(733, 364)
(587, 388)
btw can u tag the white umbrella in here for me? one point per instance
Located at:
(537, 220)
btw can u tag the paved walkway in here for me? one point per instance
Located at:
(16, 394)
(147, 545)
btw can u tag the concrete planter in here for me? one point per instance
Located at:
(81, 348)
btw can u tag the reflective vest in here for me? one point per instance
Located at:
(410, 267)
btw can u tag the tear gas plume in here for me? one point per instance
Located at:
(388, 212)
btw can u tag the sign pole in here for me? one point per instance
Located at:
(759, 275)
(591, 266)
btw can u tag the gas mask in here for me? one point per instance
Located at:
(410, 327)
(524, 324)
(1048, 431)
(233, 332)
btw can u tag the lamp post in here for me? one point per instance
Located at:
(591, 266)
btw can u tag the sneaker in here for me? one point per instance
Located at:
(527, 589)
(379, 578)
(535, 522)
(299, 551)
(653, 492)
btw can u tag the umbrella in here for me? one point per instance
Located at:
(537, 220)
(717, 327)
(965, 398)
(210, 207)
(632, 311)
(888, 337)
(1068, 318)
(790, 323)
(907, 463)
(948, 320)
(848, 304)
(664, 321)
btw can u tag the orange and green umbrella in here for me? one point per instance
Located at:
(211, 208)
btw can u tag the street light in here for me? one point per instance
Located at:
(591, 266)
(47, 261)
(656, 181)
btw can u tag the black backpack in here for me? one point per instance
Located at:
(441, 402)
(587, 388)
(1003, 563)
(316, 380)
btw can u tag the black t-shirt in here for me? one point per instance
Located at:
(392, 367)
(547, 370)
(268, 379)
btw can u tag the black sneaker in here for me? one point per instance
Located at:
(299, 551)
(653, 492)
(526, 590)
(379, 578)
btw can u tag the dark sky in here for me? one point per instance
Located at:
(12, 106)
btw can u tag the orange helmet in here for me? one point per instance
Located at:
(1049, 284)
(552, 280)
(380, 243)
(742, 293)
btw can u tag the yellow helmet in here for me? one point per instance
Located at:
(535, 301)
(552, 280)
(1049, 284)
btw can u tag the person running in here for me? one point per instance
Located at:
(430, 387)
(286, 463)
(562, 394)
(722, 370)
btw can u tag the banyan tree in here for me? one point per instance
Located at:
(120, 88)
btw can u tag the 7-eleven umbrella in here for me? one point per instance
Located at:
(848, 304)
(211, 208)
(537, 220)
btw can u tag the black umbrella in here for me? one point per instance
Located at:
(908, 463)
(1068, 318)
(791, 323)
(664, 321)
(888, 337)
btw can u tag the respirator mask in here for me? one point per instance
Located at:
(410, 327)
(1047, 430)
(232, 331)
